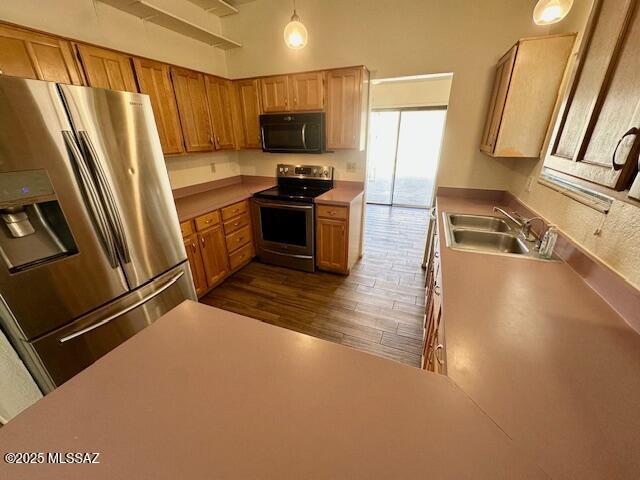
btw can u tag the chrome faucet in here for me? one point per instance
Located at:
(524, 224)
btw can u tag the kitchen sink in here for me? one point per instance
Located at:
(479, 222)
(489, 241)
(487, 234)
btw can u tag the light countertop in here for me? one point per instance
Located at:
(343, 193)
(544, 356)
(200, 203)
(205, 393)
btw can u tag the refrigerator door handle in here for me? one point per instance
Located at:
(93, 199)
(107, 196)
(124, 311)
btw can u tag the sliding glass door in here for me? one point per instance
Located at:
(403, 156)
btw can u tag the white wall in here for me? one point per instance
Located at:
(95, 22)
(393, 39)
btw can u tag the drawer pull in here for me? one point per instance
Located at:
(239, 239)
(436, 290)
(207, 221)
(236, 224)
(436, 254)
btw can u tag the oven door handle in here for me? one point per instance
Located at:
(283, 205)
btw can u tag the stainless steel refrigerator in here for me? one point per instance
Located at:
(89, 236)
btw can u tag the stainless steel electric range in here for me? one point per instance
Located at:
(284, 216)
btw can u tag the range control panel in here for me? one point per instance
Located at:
(306, 171)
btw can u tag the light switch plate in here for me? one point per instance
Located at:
(213, 167)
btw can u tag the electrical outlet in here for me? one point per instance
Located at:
(213, 167)
(351, 166)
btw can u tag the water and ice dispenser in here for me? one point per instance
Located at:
(33, 229)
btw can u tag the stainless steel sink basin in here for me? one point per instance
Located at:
(489, 242)
(479, 222)
(487, 234)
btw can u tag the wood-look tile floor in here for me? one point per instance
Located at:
(378, 308)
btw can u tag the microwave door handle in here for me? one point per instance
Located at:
(304, 136)
(92, 198)
(107, 196)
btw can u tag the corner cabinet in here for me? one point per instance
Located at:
(347, 104)
(154, 80)
(27, 54)
(193, 109)
(248, 101)
(525, 90)
(339, 235)
(107, 68)
(596, 136)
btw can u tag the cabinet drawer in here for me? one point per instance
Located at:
(238, 239)
(241, 256)
(187, 228)
(234, 210)
(329, 211)
(207, 220)
(235, 224)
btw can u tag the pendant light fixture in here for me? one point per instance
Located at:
(295, 33)
(551, 11)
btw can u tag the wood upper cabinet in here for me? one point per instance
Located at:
(346, 107)
(107, 69)
(219, 95)
(195, 262)
(154, 80)
(275, 94)
(306, 91)
(595, 137)
(214, 254)
(525, 90)
(191, 98)
(331, 245)
(27, 54)
(249, 112)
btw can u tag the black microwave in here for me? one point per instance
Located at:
(293, 132)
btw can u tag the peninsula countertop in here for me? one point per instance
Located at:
(204, 393)
(544, 356)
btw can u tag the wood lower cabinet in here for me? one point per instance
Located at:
(275, 94)
(192, 246)
(214, 254)
(154, 80)
(191, 97)
(346, 108)
(596, 134)
(107, 69)
(249, 111)
(331, 246)
(219, 95)
(28, 54)
(339, 236)
(434, 349)
(525, 91)
(218, 243)
(238, 234)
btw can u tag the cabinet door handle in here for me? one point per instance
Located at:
(440, 347)
(618, 166)
(436, 290)
(204, 245)
(193, 247)
(436, 254)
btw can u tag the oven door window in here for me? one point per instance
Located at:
(284, 137)
(281, 225)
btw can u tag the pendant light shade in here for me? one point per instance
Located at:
(295, 33)
(551, 11)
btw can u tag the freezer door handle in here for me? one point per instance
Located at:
(92, 198)
(107, 196)
(124, 311)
